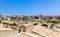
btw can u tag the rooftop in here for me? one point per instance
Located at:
(45, 32)
(23, 34)
(3, 28)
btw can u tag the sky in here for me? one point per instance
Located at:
(30, 7)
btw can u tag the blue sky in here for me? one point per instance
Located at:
(30, 7)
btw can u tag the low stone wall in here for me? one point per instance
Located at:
(8, 33)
